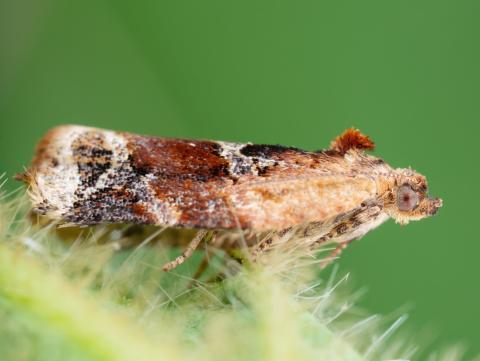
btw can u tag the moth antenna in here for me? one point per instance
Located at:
(351, 139)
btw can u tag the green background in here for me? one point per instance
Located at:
(290, 72)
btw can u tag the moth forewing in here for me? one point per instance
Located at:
(283, 202)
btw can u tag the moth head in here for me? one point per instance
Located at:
(407, 198)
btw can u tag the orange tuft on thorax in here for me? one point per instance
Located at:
(351, 138)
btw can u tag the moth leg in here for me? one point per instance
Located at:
(347, 227)
(215, 242)
(262, 246)
(335, 253)
(201, 268)
(267, 243)
(187, 252)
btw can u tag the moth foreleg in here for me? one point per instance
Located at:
(267, 243)
(346, 228)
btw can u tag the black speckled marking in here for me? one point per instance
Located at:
(266, 150)
(92, 160)
(240, 166)
(123, 194)
(121, 200)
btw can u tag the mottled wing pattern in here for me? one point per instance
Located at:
(111, 177)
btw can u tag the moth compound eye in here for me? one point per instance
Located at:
(407, 198)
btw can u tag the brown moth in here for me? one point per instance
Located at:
(87, 176)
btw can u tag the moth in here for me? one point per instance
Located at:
(86, 176)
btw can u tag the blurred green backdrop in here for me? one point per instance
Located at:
(292, 72)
